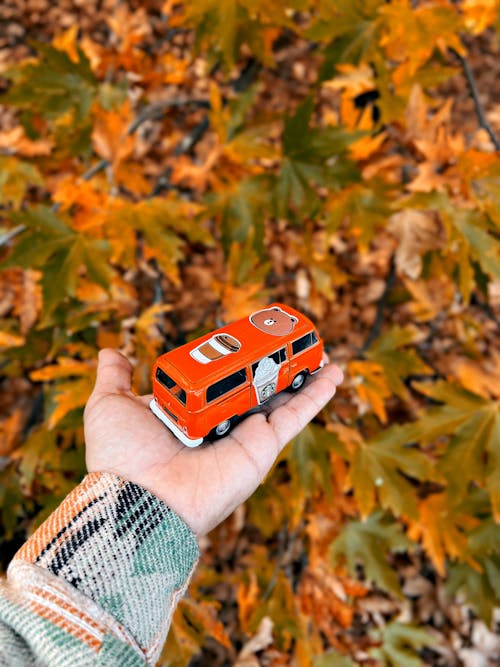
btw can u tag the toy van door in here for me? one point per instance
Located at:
(227, 398)
(269, 376)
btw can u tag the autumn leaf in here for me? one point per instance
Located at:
(441, 531)
(371, 385)
(366, 543)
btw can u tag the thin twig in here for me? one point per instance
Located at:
(475, 96)
(99, 166)
(379, 319)
(157, 109)
(8, 236)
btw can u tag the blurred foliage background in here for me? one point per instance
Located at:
(166, 167)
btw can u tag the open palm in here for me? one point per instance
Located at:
(205, 484)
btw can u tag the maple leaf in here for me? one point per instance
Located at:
(400, 643)
(362, 207)
(163, 223)
(441, 531)
(53, 86)
(378, 467)
(53, 246)
(473, 424)
(417, 232)
(110, 136)
(390, 351)
(409, 35)
(69, 395)
(311, 156)
(16, 141)
(371, 385)
(350, 30)
(367, 542)
(16, 176)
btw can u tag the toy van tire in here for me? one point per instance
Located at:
(298, 381)
(222, 429)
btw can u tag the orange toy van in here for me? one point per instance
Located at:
(204, 387)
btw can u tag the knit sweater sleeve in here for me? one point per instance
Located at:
(98, 582)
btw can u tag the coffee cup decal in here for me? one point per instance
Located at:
(216, 347)
(265, 379)
(273, 321)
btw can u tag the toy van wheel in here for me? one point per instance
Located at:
(221, 429)
(298, 381)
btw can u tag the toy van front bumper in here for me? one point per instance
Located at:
(189, 442)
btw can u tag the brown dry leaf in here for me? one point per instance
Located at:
(261, 640)
(430, 297)
(16, 141)
(323, 597)
(439, 148)
(417, 232)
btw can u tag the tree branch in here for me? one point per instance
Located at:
(475, 96)
(379, 319)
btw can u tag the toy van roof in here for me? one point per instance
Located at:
(255, 344)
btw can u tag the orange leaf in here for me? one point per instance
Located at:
(110, 136)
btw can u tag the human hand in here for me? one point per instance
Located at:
(202, 485)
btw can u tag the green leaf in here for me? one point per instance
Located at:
(369, 542)
(365, 207)
(312, 157)
(53, 86)
(333, 659)
(400, 643)
(484, 247)
(16, 176)
(49, 244)
(473, 422)
(243, 210)
(309, 459)
(376, 467)
(39, 450)
(398, 363)
(482, 589)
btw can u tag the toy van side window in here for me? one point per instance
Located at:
(279, 357)
(171, 385)
(303, 343)
(226, 384)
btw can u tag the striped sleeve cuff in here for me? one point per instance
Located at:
(124, 549)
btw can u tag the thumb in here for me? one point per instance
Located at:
(114, 373)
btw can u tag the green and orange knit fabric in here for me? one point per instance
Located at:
(98, 582)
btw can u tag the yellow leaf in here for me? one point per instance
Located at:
(66, 41)
(371, 385)
(479, 378)
(10, 340)
(70, 396)
(64, 368)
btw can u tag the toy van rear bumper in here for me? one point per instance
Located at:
(319, 367)
(189, 442)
